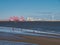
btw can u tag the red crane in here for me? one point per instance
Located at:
(21, 18)
(15, 18)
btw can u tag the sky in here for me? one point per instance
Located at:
(30, 8)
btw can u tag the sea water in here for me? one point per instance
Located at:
(53, 34)
(9, 33)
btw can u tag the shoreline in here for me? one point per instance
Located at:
(31, 39)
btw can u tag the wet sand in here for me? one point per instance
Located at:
(31, 39)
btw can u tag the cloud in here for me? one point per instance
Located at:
(44, 12)
(48, 13)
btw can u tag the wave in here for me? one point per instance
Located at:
(30, 32)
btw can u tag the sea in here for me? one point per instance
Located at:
(8, 33)
(45, 31)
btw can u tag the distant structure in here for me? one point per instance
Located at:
(21, 18)
(33, 19)
(52, 17)
(15, 18)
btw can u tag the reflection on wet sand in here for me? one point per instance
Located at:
(4, 42)
(29, 39)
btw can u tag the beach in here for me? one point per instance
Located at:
(29, 22)
(40, 40)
